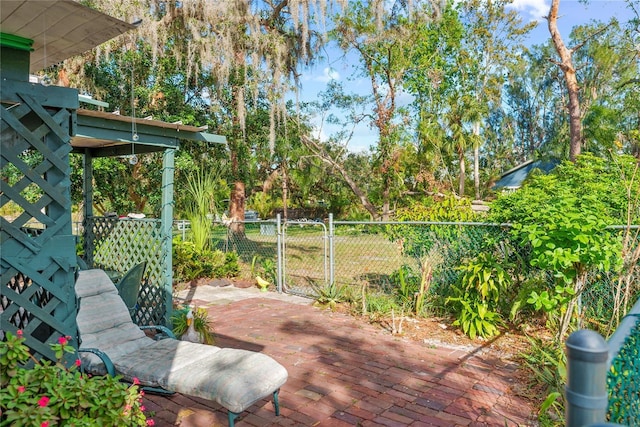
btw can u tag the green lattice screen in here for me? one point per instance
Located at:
(37, 266)
(623, 382)
(116, 245)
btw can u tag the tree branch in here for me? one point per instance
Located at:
(590, 36)
(628, 82)
(326, 158)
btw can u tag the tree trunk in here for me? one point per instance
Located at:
(386, 206)
(236, 208)
(571, 81)
(463, 171)
(476, 159)
(285, 193)
(237, 198)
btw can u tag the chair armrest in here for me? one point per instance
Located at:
(108, 364)
(162, 329)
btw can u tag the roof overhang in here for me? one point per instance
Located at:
(59, 29)
(108, 134)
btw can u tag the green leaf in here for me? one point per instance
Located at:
(549, 401)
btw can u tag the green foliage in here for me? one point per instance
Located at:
(11, 174)
(418, 241)
(596, 185)
(267, 266)
(121, 187)
(190, 263)
(52, 394)
(551, 301)
(566, 239)
(330, 295)
(230, 268)
(201, 323)
(562, 219)
(547, 363)
(474, 316)
(200, 228)
(407, 285)
(477, 299)
(202, 187)
(380, 304)
(410, 287)
(262, 203)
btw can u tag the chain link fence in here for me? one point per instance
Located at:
(303, 256)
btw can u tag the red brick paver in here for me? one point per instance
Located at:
(345, 372)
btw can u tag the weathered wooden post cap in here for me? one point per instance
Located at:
(586, 389)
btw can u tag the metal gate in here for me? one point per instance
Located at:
(37, 256)
(305, 257)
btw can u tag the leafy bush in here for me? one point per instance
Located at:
(266, 267)
(547, 363)
(190, 263)
(418, 241)
(51, 394)
(230, 268)
(262, 203)
(562, 219)
(484, 280)
(407, 285)
(379, 305)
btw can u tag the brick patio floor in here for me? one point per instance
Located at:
(346, 372)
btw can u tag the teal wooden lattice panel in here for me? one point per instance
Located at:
(37, 256)
(116, 245)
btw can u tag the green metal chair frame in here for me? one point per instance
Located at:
(129, 287)
(110, 343)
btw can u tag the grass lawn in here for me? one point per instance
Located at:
(358, 256)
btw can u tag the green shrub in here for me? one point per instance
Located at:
(190, 263)
(406, 285)
(379, 305)
(478, 297)
(562, 218)
(330, 295)
(51, 394)
(547, 363)
(418, 241)
(230, 268)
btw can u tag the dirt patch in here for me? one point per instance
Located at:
(208, 281)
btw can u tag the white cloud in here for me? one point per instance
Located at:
(535, 10)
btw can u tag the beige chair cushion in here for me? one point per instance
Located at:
(234, 378)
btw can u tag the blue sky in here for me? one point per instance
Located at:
(572, 13)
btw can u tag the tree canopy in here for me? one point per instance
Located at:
(449, 84)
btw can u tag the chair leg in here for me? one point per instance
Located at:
(232, 417)
(276, 404)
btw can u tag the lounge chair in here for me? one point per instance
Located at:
(112, 344)
(129, 287)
